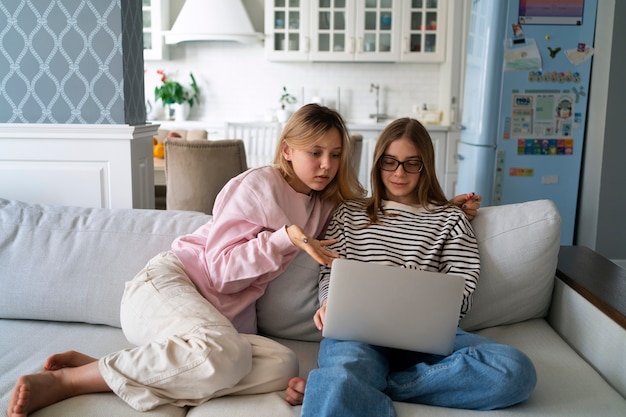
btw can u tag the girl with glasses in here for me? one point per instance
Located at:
(408, 222)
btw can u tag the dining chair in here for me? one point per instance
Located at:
(356, 140)
(189, 134)
(196, 171)
(259, 138)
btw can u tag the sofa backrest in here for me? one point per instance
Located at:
(71, 263)
(518, 244)
(519, 248)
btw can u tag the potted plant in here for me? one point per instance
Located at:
(286, 98)
(176, 99)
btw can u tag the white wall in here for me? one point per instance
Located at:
(601, 223)
(238, 83)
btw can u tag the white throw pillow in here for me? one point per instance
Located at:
(71, 263)
(519, 246)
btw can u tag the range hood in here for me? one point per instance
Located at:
(212, 20)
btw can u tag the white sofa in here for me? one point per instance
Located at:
(62, 273)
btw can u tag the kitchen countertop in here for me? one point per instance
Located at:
(353, 125)
(370, 125)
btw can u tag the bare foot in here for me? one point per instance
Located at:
(33, 392)
(295, 391)
(69, 359)
(36, 391)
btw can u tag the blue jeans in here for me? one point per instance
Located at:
(357, 379)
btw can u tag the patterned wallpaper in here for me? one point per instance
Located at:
(71, 62)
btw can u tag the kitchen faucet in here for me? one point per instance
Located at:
(377, 116)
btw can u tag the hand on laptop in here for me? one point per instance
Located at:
(315, 248)
(318, 318)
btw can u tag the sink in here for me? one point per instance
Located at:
(368, 124)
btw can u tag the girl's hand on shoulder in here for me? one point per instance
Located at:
(469, 203)
(315, 248)
(318, 318)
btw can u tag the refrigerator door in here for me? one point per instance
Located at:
(476, 167)
(481, 97)
(483, 72)
(543, 111)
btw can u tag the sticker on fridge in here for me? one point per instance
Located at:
(542, 115)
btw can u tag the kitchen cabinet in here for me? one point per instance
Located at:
(155, 20)
(355, 30)
(287, 30)
(423, 30)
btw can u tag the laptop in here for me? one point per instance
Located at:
(393, 307)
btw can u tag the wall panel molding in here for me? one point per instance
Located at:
(107, 166)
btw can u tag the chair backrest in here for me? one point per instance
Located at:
(189, 134)
(259, 138)
(196, 171)
(357, 149)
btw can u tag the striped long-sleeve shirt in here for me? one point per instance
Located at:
(439, 241)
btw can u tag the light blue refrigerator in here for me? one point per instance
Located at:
(526, 86)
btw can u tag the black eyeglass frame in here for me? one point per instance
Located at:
(398, 163)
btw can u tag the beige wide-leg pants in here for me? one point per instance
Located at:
(186, 351)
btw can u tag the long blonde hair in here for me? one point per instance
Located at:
(304, 128)
(428, 190)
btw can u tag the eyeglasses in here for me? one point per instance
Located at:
(410, 166)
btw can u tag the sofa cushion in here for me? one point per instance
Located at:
(31, 342)
(519, 246)
(71, 263)
(290, 300)
(567, 386)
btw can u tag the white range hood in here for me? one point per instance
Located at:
(212, 20)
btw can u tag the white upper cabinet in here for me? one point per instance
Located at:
(155, 18)
(332, 30)
(355, 30)
(423, 30)
(287, 30)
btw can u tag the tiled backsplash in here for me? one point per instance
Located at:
(238, 84)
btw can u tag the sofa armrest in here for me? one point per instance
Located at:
(589, 311)
(596, 278)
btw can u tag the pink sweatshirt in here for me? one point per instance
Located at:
(232, 258)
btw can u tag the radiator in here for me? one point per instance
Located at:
(260, 140)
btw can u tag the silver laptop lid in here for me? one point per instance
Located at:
(391, 306)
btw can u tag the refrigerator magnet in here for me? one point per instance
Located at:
(522, 57)
(518, 34)
(554, 51)
(577, 57)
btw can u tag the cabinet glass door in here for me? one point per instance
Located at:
(378, 26)
(287, 25)
(424, 37)
(155, 14)
(147, 24)
(377, 30)
(332, 30)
